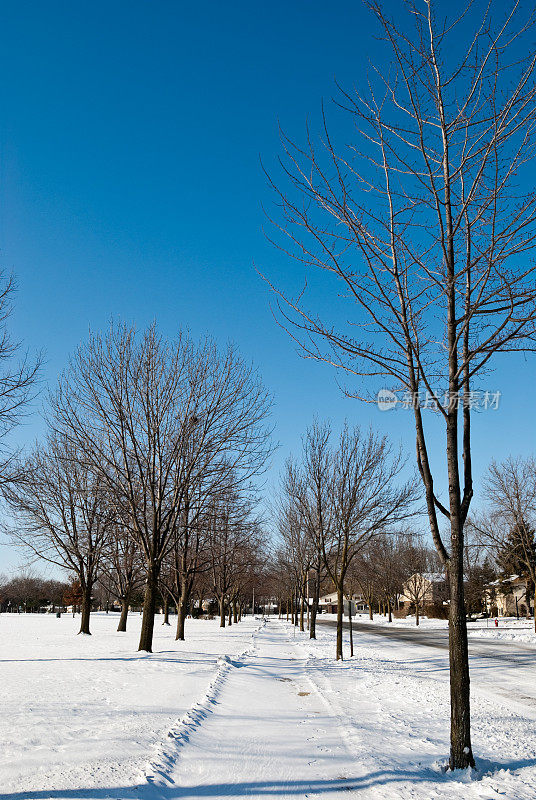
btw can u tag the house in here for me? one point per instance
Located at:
(507, 597)
(328, 604)
(425, 589)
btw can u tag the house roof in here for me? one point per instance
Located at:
(434, 577)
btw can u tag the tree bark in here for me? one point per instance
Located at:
(314, 607)
(222, 613)
(149, 608)
(166, 610)
(230, 613)
(461, 754)
(122, 627)
(340, 609)
(86, 609)
(350, 627)
(235, 612)
(182, 609)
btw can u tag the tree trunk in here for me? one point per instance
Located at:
(302, 604)
(370, 611)
(166, 610)
(390, 610)
(149, 608)
(222, 613)
(350, 627)
(416, 613)
(122, 627)
(461, 754)
(314, 609)
(181, 617)
(86, 609)
(230, 613)
(235, 612)
(182, 608)
(340, 609)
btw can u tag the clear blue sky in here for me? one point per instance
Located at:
(131, 186)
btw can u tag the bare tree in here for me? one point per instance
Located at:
(148, 414)
(365, 574)
(312, 491)
(366, 502)
(389, 554)
(62, 514)
(299, 544)
(421, 220)
(233, 536)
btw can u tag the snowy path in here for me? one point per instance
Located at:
(265, 732)
(288, 722)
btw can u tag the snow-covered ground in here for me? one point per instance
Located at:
(257, 710)
(393, 701)
(90, 711)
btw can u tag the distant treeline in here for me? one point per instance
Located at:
(30, 594)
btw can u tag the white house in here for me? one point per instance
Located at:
(328, 604)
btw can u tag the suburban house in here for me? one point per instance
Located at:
(427, 589)
(328, 604)
(507, 597)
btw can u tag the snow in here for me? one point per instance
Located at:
(254, 710)
(90, 711)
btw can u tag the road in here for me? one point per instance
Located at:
(498, 668)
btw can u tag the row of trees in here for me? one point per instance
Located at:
(147, 472)
(31, 593)
(342, 495)
(322, 548)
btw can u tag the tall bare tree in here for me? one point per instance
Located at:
(150, 413)
(311, 489)
(299, 544)
(348, 493)
(423, 219)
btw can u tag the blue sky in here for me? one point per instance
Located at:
(131, 186)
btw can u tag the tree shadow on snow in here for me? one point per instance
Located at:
(311, 788)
